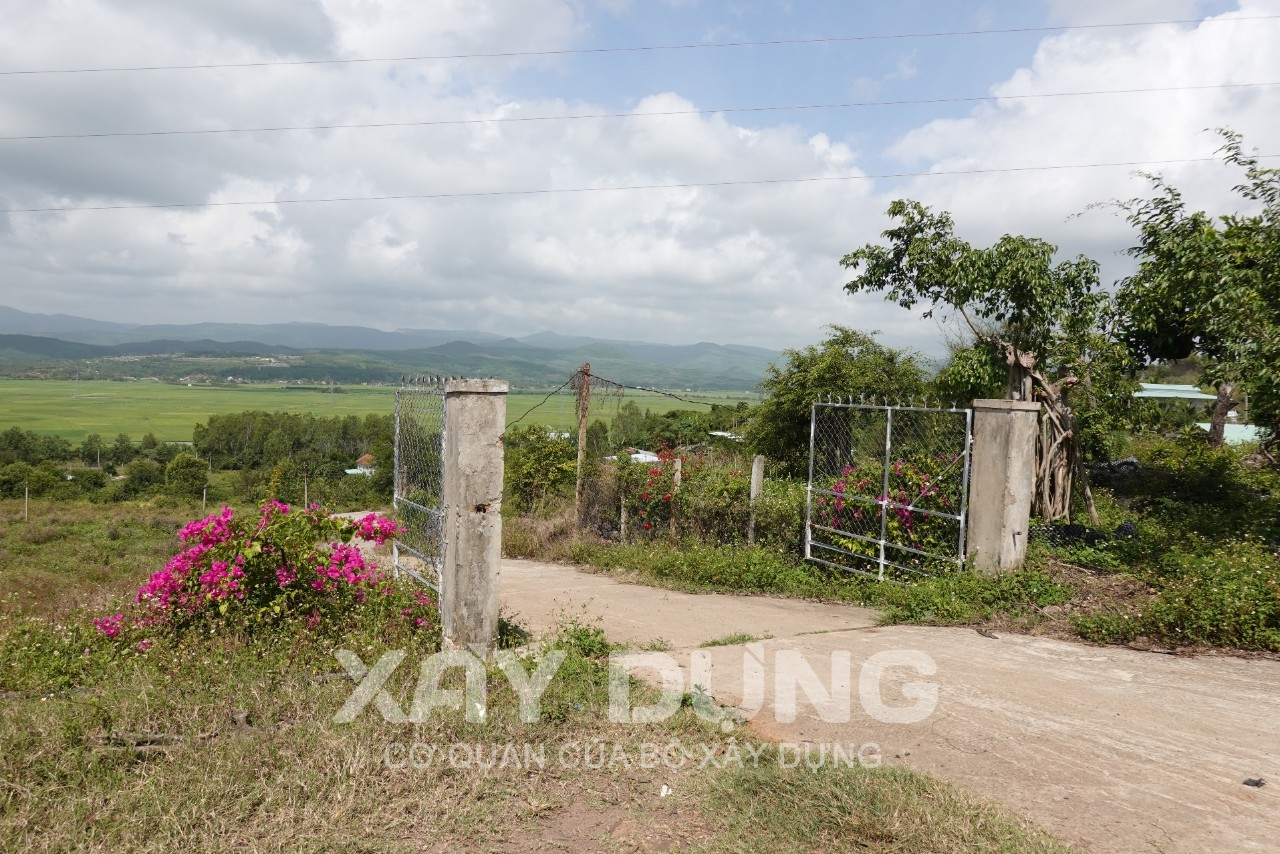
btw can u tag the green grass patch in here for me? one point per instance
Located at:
(956, 598)
(168, 410)
(734, 639)
(72, 555)
(778, 809)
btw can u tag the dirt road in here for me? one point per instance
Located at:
(1108, 748)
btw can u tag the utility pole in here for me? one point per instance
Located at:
(583, 383)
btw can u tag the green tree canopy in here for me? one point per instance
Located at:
(1048, 321)
(1211, 287)
(186, 475)
(849, 363)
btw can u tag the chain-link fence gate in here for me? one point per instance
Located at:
(888, 488)
(418, 549)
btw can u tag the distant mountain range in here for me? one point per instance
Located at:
(46, 343)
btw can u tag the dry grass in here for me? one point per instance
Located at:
(71, 556)
(251, 759)
(211, 744)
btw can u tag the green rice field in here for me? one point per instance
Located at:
(74, 409)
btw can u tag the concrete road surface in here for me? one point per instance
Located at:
(1108, 748)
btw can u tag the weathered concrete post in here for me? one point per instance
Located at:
(1002, 483)
(474, 420)
(757, 486)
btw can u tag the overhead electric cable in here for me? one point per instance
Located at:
(516, 54)
(640, 115)
(625, 188)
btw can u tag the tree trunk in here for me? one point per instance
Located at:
(1058, 460)
(1019, 387)
(1055, 456)
(1218, 422)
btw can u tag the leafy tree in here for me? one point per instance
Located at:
(14, 478)
(17, 445)
(848, 363)
(45, 478)
(122, 450)
(538, 466)
(1048, 322)
(597, 439)
(141, 475)
(26, 446)
(91, 450)
(1211, 288)
(186, 475)
(627, 429)
(88, 480)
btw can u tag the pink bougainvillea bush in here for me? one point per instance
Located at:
(282, 565)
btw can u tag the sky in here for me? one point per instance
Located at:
(529, 101)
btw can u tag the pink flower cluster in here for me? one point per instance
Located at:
(223, 580)
(168, 589)
(345, 564)
(212, 530)
(109, 626)
(376, 528)
(280, 563)
(269, 509)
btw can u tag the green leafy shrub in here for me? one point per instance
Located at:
(1227, 597)
(967, 597)
(538, 466)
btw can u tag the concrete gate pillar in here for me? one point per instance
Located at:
(1001, 483)
(474, 421)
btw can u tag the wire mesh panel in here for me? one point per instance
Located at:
(888, 489)
(419, 480)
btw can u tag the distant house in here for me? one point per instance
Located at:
(724, 434)
(1238, 434)
(1166, 391)
(1233, 434)
(640, 456)
(366, 466)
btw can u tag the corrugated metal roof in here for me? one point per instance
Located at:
(1172, 392)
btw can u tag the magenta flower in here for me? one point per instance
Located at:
(109, 626)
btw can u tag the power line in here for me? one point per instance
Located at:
(653, 391)
(542, 402)
(626, 188)
(609, 382)
(634, 49)
(640, 115)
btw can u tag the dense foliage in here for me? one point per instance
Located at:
(1048, 322)
(249, 456)
(848, 363)
(1211, 286)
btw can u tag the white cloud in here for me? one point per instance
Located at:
(1073, 12)
(756, 264)
(1102, 129)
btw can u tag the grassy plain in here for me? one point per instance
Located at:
(215, 741)
(74, 409)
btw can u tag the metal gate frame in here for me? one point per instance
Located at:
(884, 501)
(418, 495)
